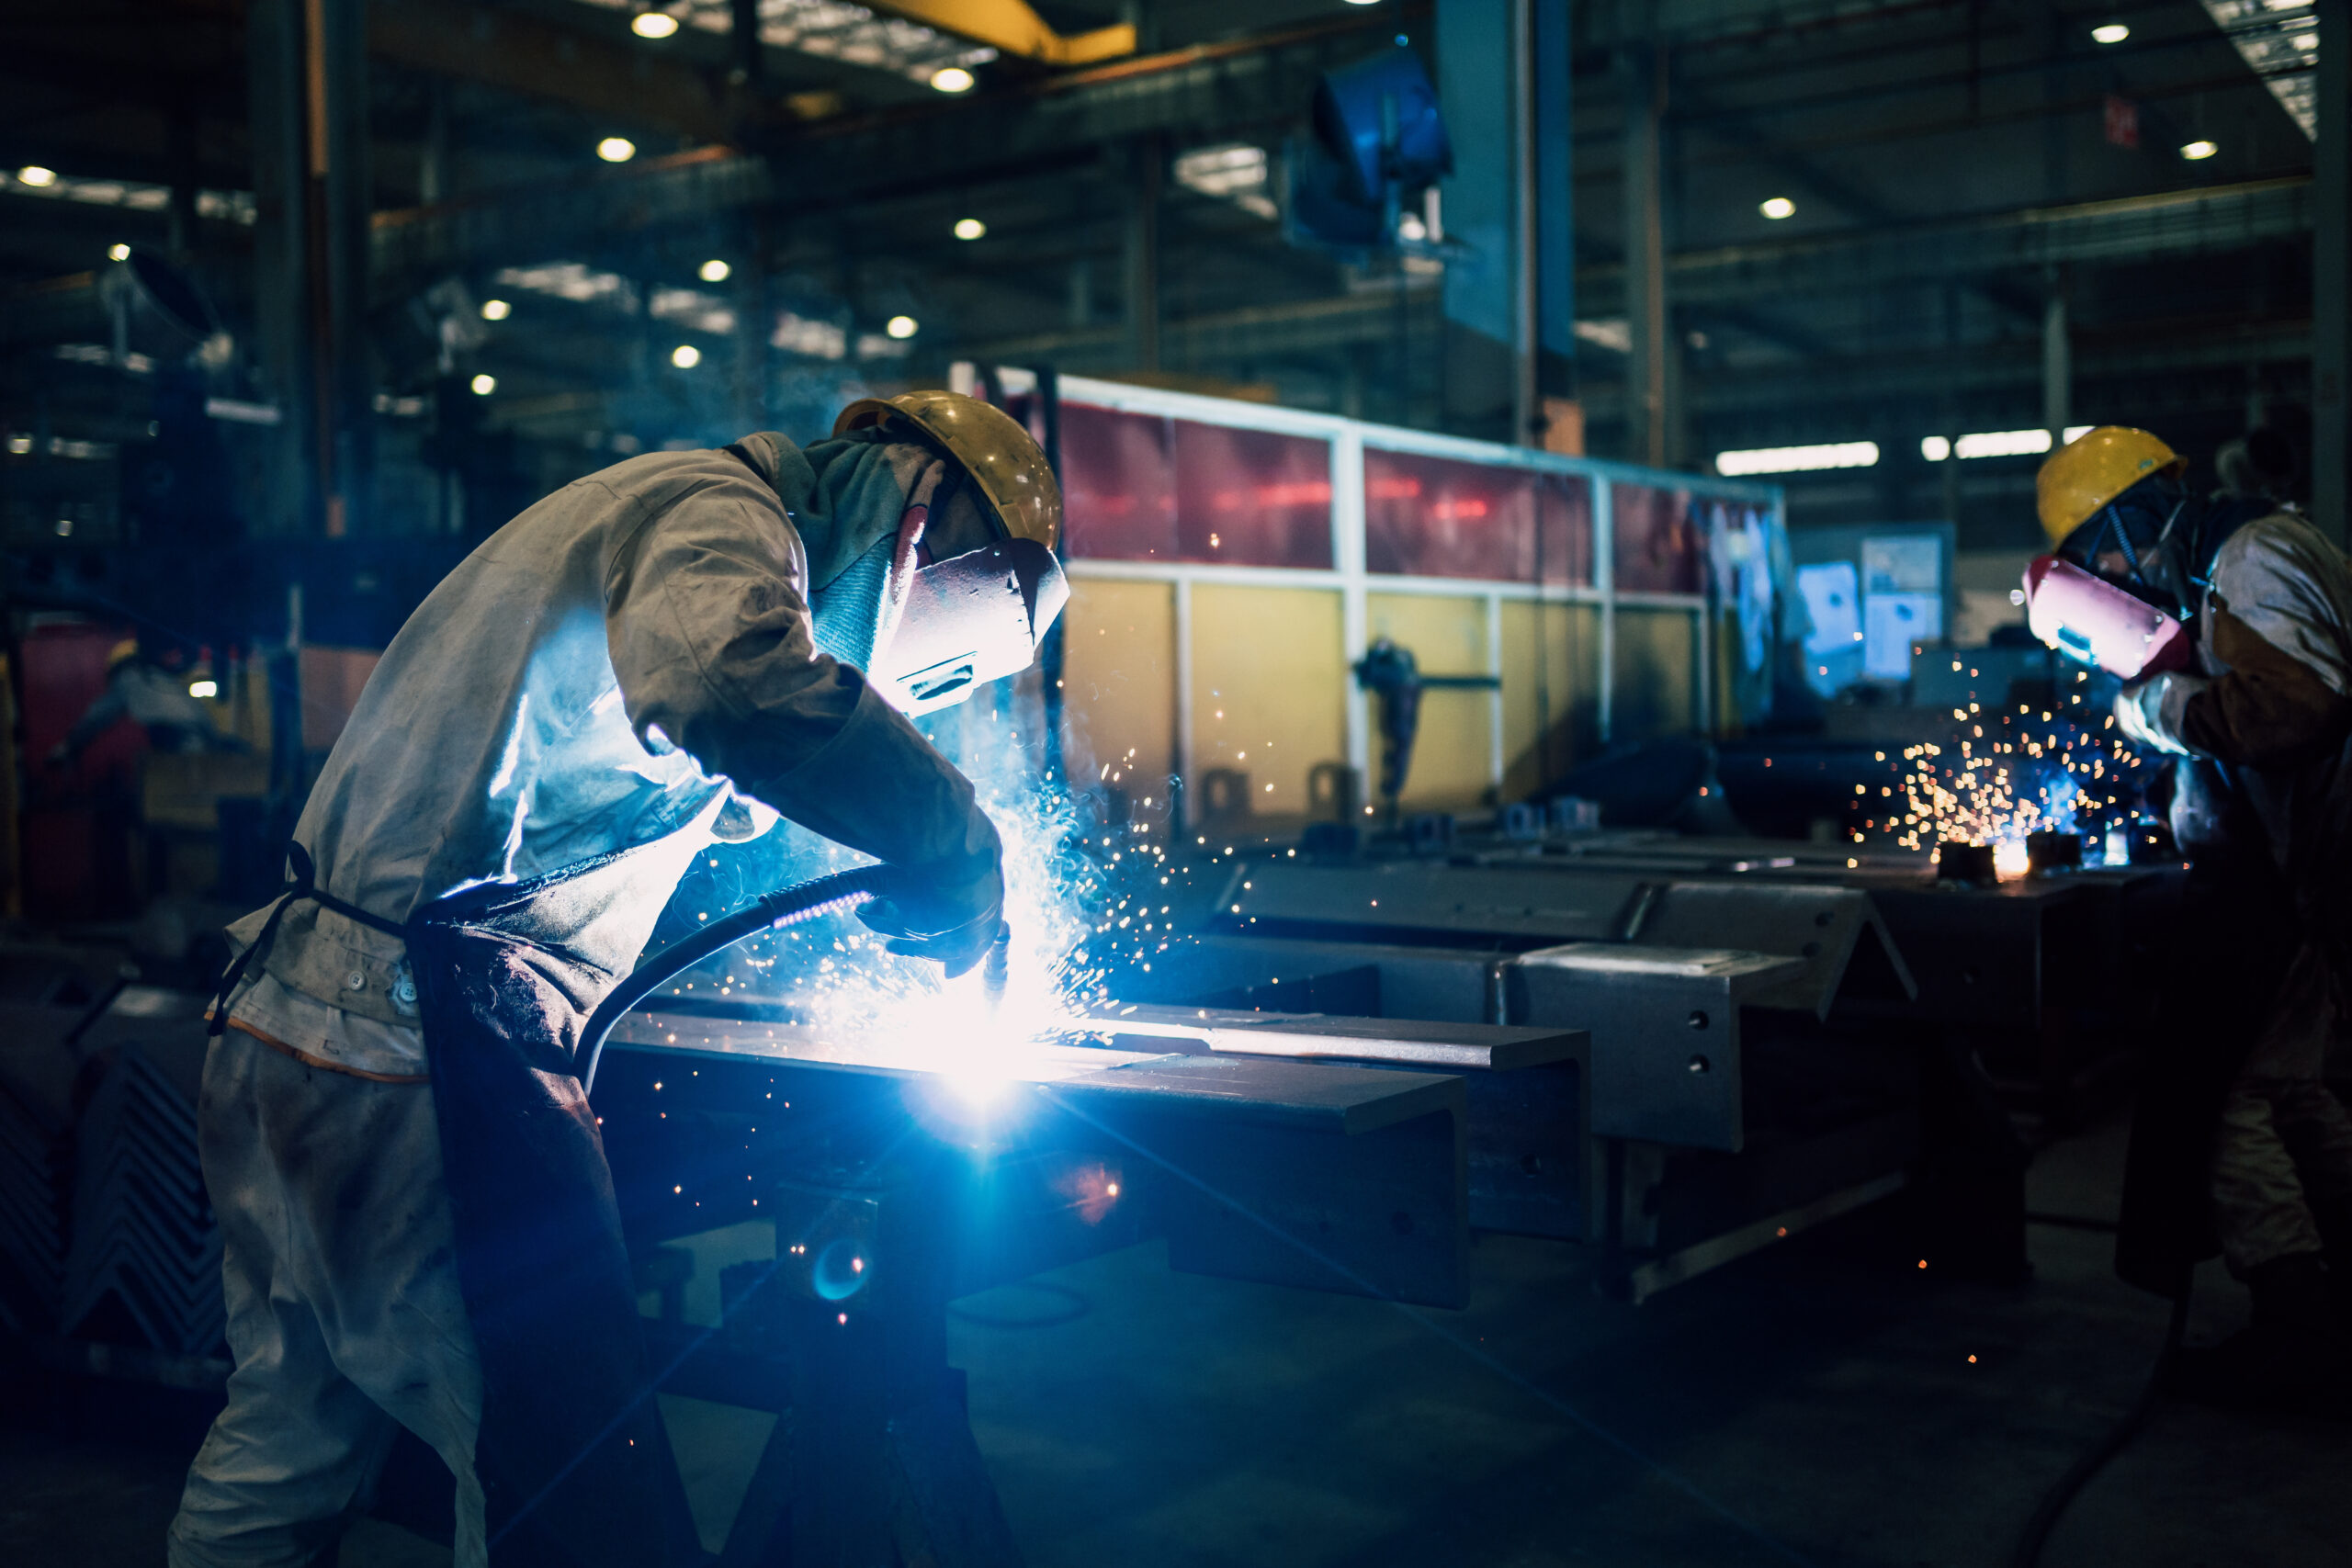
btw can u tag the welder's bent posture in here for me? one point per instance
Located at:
(2261, 721)
(634, 667)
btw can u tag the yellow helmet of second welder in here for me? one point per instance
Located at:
(2093, 469)
(1008, 466)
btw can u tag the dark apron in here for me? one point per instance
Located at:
(574, 1461)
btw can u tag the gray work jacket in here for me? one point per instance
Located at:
(592, 681)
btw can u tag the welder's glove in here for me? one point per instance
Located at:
(953, 919)
(2149, 712)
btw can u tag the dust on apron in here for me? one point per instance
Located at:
(575, 1464)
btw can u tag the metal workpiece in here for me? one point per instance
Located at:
(1666, 1064)
(1844, 946)
(1665, 1027)
(1323, 1174)
(1528, 1104)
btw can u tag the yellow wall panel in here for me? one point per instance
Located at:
(1563, 710)
(1268, 694)
(1119, 684)
(1452, 766)
(1657, 667)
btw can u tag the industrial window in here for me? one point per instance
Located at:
(1428, 516)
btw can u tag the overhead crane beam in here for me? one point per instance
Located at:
(1011, 27)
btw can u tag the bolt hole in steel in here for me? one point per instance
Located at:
(1811, 949)
(1700, 1065)
(841, 1270)
(1822, 918)
(1698, 1020)
(1533, 1165)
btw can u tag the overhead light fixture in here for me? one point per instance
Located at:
(34, 175)
(970, 229)
(685, 356)
(1363, 2)
(1798, 459)
(713, 271)
(204, 690)
(952, 79)
(496, 309)
(653, 24)
(2111, 32)
(2200, 149)
(901, 327)
(1777, 208)
(616, 149)
(1996, 443)
(118, 253)
(484, 385)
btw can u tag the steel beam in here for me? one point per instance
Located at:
(2134, 229)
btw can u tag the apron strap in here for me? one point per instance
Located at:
(303, 886)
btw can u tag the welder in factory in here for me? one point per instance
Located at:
(2229, 617)
(420, 1228)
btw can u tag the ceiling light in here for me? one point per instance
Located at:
(2074, 432)
(1363, 2)
(616, 149)
(496, 309)
(952, 79)
(653, 24)
(34, 175)
(204, 690)
(969, 228)
(484, 385)
(713, 271)
(2305, 43)
(1990, 443)
(118, 253)
(2199, 148)
(1778, 208)
(2111, 32)
(685, 356)
(1798, 459)
(900, 326)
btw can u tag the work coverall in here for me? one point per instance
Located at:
(574, 713)
(2265, 722)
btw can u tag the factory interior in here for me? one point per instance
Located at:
(1642, 861)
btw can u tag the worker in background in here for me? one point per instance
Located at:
(147, 681)
(2237, 1131)
(419, 1225)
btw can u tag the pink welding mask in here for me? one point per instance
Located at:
(2086, 617)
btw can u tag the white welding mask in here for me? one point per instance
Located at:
(929, 634)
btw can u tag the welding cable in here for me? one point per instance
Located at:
(2055, 1504)
(770, 911)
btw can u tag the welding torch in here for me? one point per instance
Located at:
(771, 911)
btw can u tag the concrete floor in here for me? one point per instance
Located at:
(1814, 1405)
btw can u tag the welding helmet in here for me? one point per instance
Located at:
(944, 627)
(2111, 593)
(2088, 472)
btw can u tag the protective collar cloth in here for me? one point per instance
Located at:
(2091, 619)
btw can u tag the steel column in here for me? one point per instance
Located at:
(2332, 269)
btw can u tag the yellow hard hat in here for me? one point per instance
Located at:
(1003, 461)
(2093, 469)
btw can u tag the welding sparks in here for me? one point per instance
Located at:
(2003, 776)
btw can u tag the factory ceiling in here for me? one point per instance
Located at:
(1868, 208)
